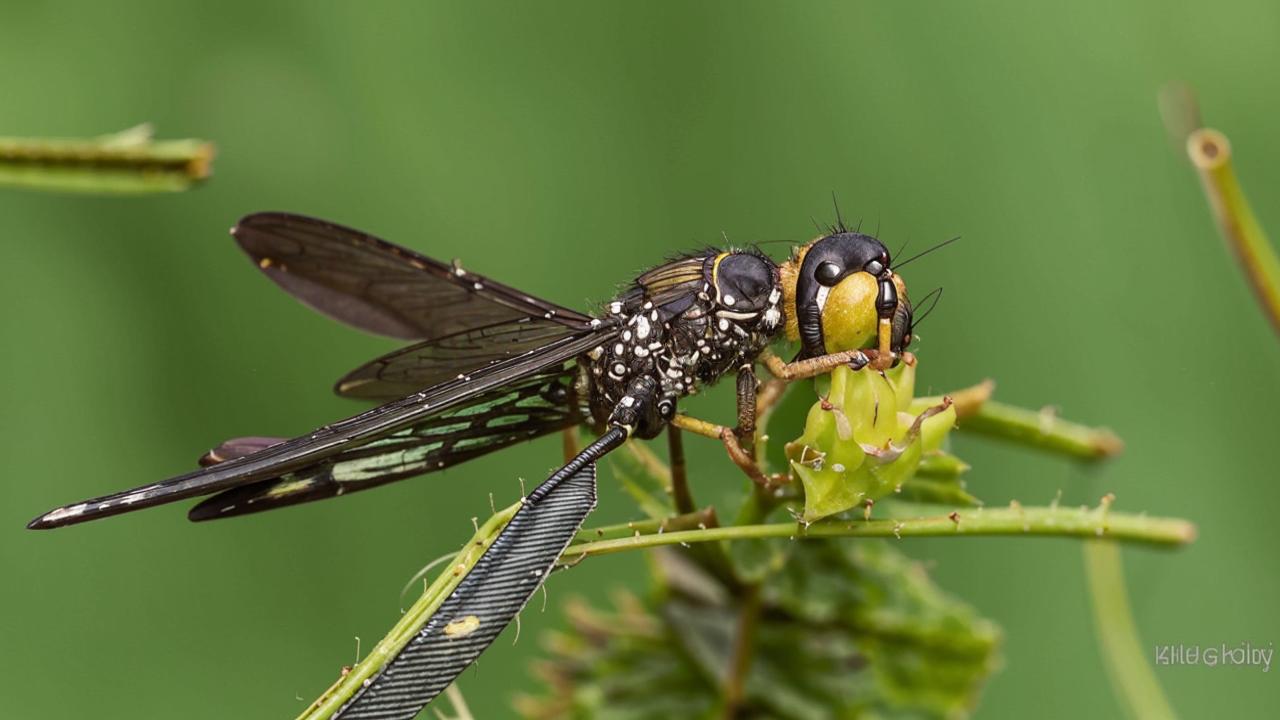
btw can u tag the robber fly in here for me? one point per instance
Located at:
(493, 366)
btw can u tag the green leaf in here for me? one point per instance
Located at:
(846, 630)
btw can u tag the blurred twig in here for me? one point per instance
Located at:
(459, 705)
(1210, 154)
(1127, 666)
(1041, 429)
(128, 162)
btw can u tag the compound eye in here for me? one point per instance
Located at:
(875, 267)
(828, 273)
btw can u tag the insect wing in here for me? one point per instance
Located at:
(537, 405)
(429, 363)
(301, 452)
(380, 287)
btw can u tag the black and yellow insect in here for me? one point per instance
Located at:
(493, 366)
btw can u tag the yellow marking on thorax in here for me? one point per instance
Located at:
(715, 273)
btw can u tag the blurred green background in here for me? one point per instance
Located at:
(562, 149)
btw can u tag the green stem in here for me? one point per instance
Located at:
(458, 702)
(1127, 667)
(129, 162)
(1039, 521)
(1016, 520)
(696, 519)
(412, 621)
(1210, 152)
(743, 651)
(941, 466)
(1042, 430)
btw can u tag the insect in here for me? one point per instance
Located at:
(492, 366)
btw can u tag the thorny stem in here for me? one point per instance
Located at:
(705, 517)
(1042, 430)
(128, 162)
(702, 527)
(1131, 676)
(1037, 521)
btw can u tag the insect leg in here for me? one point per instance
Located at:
(569, 442)
(732, 438)
(680, 493)
(746, 393)
(810, 367)
(725, 435)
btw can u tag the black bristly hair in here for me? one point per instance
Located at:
(922, 253)
(901, 249)
(936, 295)
(839, 226)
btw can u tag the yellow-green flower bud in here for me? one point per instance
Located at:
(862, 442)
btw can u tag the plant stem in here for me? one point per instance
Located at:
(705, 517)
(967, 401)
(1038, 521)
(1210, 153)
(129, 162)
(1127, 667)
(1042, 430)
(459, 704)
(1015, 520)
(743, 651)
(412, 621)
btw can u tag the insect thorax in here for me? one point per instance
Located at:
(685, 324)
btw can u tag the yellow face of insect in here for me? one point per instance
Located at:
(849, 318)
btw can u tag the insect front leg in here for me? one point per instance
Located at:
(812, 367)
(745, 431)
(681, 496)
(738, 441)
